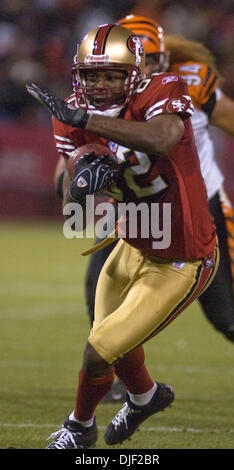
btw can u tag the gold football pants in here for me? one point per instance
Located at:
(138, 296)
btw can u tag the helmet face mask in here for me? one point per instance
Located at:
(113, 92)
(112, 50)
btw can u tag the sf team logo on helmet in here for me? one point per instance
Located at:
(152, 37)
(134, 44)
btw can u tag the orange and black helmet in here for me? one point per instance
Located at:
(151, 35)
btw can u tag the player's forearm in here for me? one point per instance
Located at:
(158, 135)
(150, 137)
(131, 134)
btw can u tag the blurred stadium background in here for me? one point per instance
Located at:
(37, 44)
(42, 300)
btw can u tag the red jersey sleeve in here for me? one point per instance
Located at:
(163, 94)
(66, 138)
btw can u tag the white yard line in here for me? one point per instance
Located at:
(149, 429)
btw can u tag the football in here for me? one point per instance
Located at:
(98, 149)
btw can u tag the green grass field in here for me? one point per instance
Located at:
(44, 327)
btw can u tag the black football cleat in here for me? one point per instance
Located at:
(131, 416)
(74, 436)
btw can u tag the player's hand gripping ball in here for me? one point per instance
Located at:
(93, 169)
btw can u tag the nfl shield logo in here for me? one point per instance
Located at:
(81, 182)
(178, 265)
(113, 146)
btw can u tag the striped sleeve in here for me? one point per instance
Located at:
(181, 105)
(64, 145)
(168, 95)
(66, 138)
(209, 85)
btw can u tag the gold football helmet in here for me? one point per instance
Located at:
(152, 37)
(108, 47)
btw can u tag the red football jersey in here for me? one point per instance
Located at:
(173, 220)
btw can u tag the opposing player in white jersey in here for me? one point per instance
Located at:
(196, 65)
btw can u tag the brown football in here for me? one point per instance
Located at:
(98, 149)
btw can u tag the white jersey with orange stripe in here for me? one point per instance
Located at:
(211, 172)
(203, 89)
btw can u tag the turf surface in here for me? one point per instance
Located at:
(44, 327)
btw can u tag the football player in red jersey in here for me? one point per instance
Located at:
(195, 64)
(145, 284)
